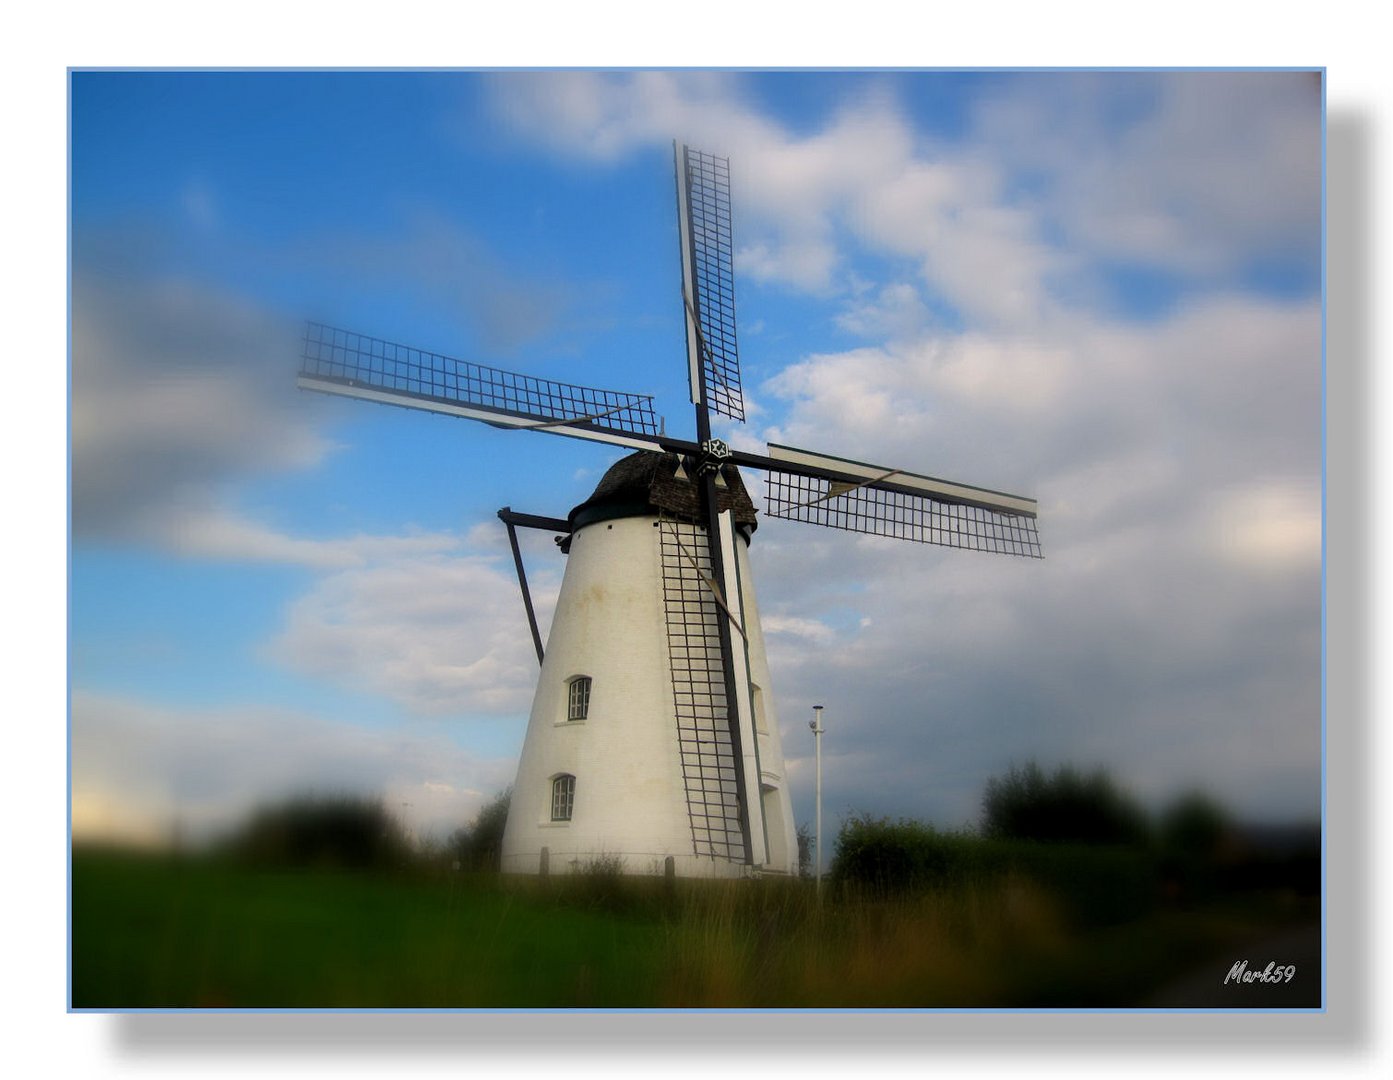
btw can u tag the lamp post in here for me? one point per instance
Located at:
(816, 724)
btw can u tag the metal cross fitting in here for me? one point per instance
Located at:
(714, 453)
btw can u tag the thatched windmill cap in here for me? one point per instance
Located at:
(646, 483)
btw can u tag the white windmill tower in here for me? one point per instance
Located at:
(652, 739)
(629, 753)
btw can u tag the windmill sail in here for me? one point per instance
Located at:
(708, 281)
(857, 497)
(341, 362)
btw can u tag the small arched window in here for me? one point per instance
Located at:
(578, 698)
(563, 797)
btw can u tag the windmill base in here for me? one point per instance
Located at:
(561, 863)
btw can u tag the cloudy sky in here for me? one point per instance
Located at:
(1099, 289)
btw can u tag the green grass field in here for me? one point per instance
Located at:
(157, 931)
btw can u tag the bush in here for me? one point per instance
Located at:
(885, 856)
(341, 831)
(1068, 807)
(1096, 885)
(1194, 826)
(805, 852)
(479, 846)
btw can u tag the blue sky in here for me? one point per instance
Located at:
(1100, 289)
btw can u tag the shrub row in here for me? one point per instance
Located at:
(1096, 884)
(340, 832)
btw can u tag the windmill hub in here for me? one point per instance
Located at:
(714, 452)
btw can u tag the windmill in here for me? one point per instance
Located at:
(652, 739)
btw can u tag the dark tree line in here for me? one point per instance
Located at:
(1067, 807)
(329, 831)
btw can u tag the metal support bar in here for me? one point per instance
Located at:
(510, 519)
(510, 516)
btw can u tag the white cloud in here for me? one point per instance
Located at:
(603, 116)
(1193, 172)
(181, 390)
(795, 627)
(1137, 646)
(1228, 388)
(176, 390)
(789, 189)
(805, 262)
(973, 248)
(854, 394)
(896, 312)
(141, 771)
(1198, 172)
(212, 533)
(1172, 631)
(1271, 525)
(437, 635)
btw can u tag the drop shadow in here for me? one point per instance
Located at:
(1343, 1025)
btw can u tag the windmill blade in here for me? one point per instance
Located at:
(858, 497)
(708, 280)
(353, 365)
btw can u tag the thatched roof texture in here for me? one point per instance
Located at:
(646, 483)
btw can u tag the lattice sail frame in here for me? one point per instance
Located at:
(348, 359)
(877, 511)
(709, 248)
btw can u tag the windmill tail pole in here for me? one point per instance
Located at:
(506, 516)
